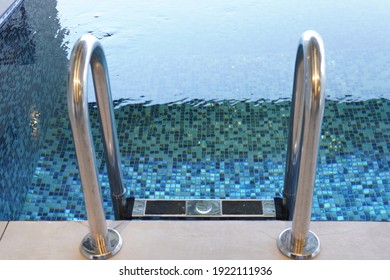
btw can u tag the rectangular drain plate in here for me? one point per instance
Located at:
(204, 208)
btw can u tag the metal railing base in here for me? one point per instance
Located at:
(103, 251)
(309, 251)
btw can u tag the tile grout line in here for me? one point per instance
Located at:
(5, 228)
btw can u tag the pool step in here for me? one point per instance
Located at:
(201, 208)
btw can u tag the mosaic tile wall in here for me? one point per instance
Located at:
(226, 149)
(30, 43)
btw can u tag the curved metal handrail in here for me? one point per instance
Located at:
(307, 110)
(101, 242)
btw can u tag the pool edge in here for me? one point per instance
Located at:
(208, 240)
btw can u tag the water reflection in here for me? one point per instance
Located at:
(35, 123)
(169, 50)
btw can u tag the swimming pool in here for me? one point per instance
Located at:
(202, 95)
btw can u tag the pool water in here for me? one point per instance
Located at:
(228, 150)
(194, 121)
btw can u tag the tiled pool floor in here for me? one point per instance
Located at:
(226, 149)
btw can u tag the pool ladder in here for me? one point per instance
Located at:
(308, 102)
(304, 135)
(101, 242)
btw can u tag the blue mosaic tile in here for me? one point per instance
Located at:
(27, 94)
(186, 151)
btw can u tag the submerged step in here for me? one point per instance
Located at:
(204, 208)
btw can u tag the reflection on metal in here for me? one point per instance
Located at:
(204, 208)
(303, 144)
(101, 243)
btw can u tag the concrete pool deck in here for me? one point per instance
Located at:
(193, 240)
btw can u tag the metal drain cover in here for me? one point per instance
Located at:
(204, 208)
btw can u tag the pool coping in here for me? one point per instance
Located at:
(6, 9)
(195, 239)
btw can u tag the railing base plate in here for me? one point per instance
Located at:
(311, 250)
(90, 251)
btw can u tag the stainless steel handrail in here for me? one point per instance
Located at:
(101, 242)
(307, 110)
